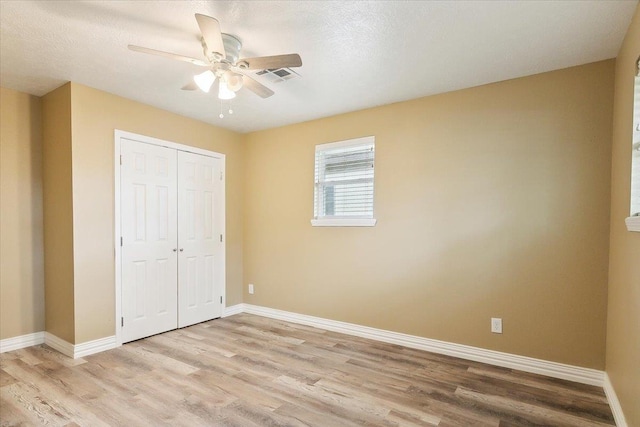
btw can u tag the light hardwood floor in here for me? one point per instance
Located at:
(248, 370)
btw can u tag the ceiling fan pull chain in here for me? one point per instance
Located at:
(229, 109)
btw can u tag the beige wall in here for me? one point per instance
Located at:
(491, 201)
(95, 115)
(623, 322)
(21, 247)
(58, 213)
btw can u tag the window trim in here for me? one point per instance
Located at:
(633, 222)
(342, 221)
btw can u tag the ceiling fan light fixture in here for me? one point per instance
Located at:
(205, 80)
(234, 81)
(224, 92)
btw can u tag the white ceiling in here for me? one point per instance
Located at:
(355, 54)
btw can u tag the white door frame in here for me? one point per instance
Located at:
(118, 135)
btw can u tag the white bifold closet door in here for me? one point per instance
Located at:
(149, 222)
(200, 255)
(172, 251)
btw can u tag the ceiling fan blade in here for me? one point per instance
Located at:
(190, 86)
(271, 62)
(210, 29)
(168, 55)
(256, 87)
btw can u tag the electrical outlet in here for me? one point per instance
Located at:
(496, 325)
(251, 288)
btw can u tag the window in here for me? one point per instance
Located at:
(633, 222)
(343, 194)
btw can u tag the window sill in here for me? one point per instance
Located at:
(343, 222)
(633, 223)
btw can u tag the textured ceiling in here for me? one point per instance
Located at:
(355, 54)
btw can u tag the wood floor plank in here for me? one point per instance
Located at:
(592, 393)
(27, 356)
(538, 414)
(58, 392)
(398, 407)
(6, 378)
(44, 353)
(33, 406)
(247, 370)
(568, 403)
(159, 360)
(326, 394)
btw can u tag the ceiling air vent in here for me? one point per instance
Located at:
(277, 75)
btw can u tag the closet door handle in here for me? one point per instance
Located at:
(181, 249)
(175, 249)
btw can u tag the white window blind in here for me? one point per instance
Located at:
(635, 156)
(344, 179)
(633, 222)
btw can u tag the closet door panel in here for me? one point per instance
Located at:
(200, 264)
(148, 192)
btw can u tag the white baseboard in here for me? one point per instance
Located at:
(231, 310)
(614, 403)
(16, 343)
(92, 347)
(522, 363)
(76, 351)
(59, 344)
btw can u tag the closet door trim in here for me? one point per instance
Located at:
(118, 135)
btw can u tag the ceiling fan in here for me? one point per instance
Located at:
(221, 52)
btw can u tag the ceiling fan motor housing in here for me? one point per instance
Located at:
(232, 46)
